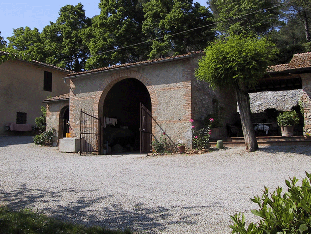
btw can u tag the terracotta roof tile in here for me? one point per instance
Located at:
(298, 61)
(136, 63)
(62, 97)
(38, 63)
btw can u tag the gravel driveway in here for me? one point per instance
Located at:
(162, 194)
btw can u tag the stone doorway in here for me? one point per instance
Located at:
(63, 122)
(121, 116)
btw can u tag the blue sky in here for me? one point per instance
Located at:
(39, 13)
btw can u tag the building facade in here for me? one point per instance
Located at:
(23, 87)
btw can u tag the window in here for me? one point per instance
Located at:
(21, 118)
(47, 81)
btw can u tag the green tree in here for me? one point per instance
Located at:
(300, 9)
(290, 40)
(246, 16)
(63, 40)
(118, 26)
(2, 42)
(26, 43)
(165, 19)
(237, 63)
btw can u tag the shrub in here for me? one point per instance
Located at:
(41, 121)
(200, 138)
(160, 146)
(288, 118)
(289, 212)
(45, 138)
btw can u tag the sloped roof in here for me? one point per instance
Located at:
(37, 63)
(127, 65)
(63, 97)
(299, 61)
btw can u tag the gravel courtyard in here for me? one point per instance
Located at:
(162, 194)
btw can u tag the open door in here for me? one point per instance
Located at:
(145, 129)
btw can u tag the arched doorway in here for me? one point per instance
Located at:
(63, 122)
(121, 115)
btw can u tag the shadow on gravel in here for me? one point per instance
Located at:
(297, 149)
(15, 140)
(81, 211)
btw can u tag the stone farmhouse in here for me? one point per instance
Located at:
(23, 87)
(167, 88)
(131, 104)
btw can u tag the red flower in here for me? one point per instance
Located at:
(191, 120)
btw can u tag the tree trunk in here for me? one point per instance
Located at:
(247, 126)
(306, 24)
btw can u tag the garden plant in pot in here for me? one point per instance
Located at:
(287, 120)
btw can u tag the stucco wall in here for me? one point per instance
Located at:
(21, 90)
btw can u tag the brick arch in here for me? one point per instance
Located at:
(116, 77)
(119, 76)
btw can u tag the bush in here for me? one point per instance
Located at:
(160, 146)
(45, 138)
(281, 213)
(41, 121)
(288, 118)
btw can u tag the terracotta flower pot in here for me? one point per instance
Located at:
(287, 131)
(181, 149)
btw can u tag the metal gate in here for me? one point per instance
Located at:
(145, 129)
(89, 133)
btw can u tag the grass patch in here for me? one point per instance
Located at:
(26, 221)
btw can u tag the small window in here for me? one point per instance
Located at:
(21, 118)
(47, 81)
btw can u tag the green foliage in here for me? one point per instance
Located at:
(2, 42)
(26, 221)
(201, 135)
(164, 20)
(236, 61)
(45, 138)
(63, 40)
(288, 118)
(237, 17)
(41, 121)
(160, 145)
(287, 212)
(200, 138)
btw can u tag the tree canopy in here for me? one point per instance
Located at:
(237, 62)
(246, 16)
(134, 30)
(2, 42)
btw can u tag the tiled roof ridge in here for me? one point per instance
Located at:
(61, 97)
(301, 60)
(38, 63)
(136, 63)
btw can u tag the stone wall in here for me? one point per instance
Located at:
(167, 83)
(53, 112)
(306, 99)
(176, 96)
(280, 100)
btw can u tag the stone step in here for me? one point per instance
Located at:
(269, 138)
(266, 141)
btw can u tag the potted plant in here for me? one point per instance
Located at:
(181, 147)
(287, 120)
